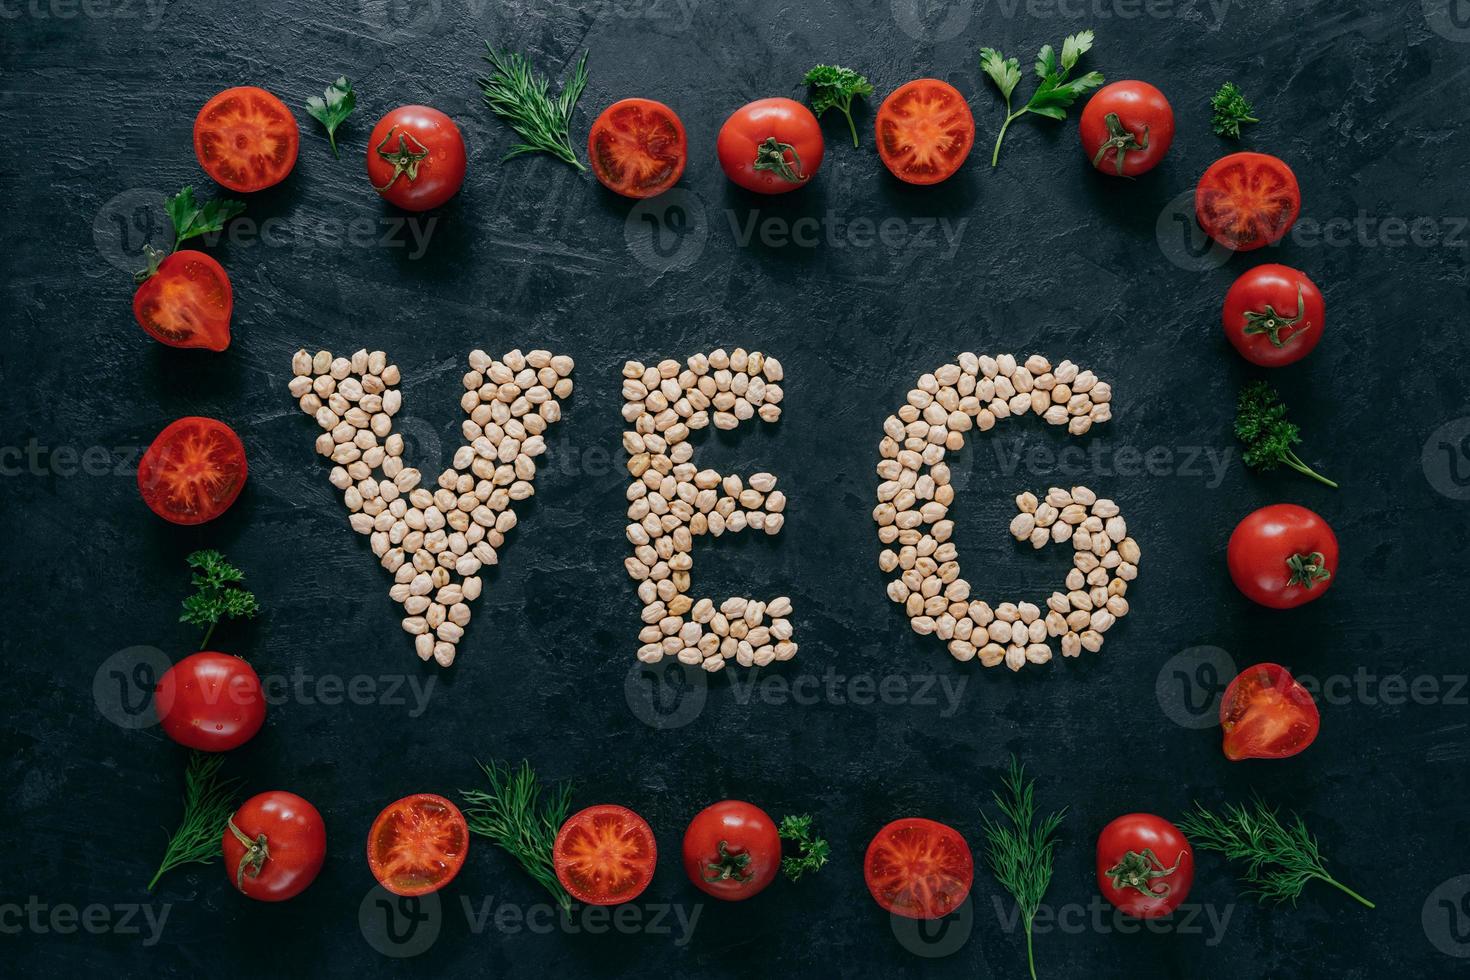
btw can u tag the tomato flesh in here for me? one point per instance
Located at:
(292, 855)
(925, 131)
(246, 139)
(210, 701)
(605, 855)
(1266, 714)
(919, 869)
(418, 844)
(637, 148)
(1247, 200)
(193, 471)
(186, 302)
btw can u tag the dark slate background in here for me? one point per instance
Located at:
(1364, 100)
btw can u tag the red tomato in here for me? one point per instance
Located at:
(210, 701)
(246, 139)
(1266, 714)
(418, 844)
(186, 302)
(732, 850)
(1126, 128)
(637, 148)
(1144, 865)
(416, 158)
(274, 846)
(1247, 200)
(918, 868)
(925, 131)
(604, 855)
(193, 471)
(771, 146)
(1274, 315)
(1282, 556)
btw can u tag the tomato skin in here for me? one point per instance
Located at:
(429, 181)
(786, 121)
(1263, 546)
(1299, 315)
(1143, 112)
(418, 844)
(210, 701)
(193, 470)
(732, 850)
(186, 302)
(637, 148)
(246, 139)
(918, 868)
(605, 855)
(295, 846)
(1247, 200)
(1266, 714)
(1137, 883)
(924, 131)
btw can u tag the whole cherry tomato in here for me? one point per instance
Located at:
(1127, 128)
(1282, 556)
(210, 701)
(1273, 315)
(416, 158)
(771, 146)
(732, 850)
(274, 846)
(1267, 714)
(186, 301)
(1247, 200)
(1144, 865)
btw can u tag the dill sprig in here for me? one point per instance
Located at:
(515, 815)
(1020, 854)
(1280, 858)
(517, 94)
(209, 800)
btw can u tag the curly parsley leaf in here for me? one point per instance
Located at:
(1230, 110)
(1261, 423)
(1057, 90)
(834, 87)
(811, 851)
(332, 107)
(219, 594)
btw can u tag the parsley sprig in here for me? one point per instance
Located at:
(1055, 93)
(1230, 110)
(834, 87)
(520, 820)
(219, 593)
(190, 219)
(209, 800)
(1020, 850)
(333, 107)
(516, 93)
(1261, 423)
(811, 851)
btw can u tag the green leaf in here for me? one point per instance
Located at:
(191, 219)
(209, 801)
(219, 593)
(332, 107)
(1051, 99)
(834, 87)
(1046, 62)
(515, 815)
(517, 94)
(812, 851)
(1005, 72)
(1230, 110)
(1074, 47)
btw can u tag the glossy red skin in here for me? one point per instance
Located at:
(1266, 714)
(428, 829)
(296, 839)
(440, 174)
(918, 868)
(175, 454)
(745, 829)
(1275, 286)
(1136, 832)
(608, 825)
(186, 302)
(1247, 200)
(210, 701)
(789, 122)
(924, 118)
(252, 121)
(637, 148)
(1138, 105)
(1262, 543)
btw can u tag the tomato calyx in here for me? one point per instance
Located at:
(1308, 570)
(155, 258)
(405, 161)
(257, 852)
(1121, 140)
(1138, 869)
(770, 155)
(729, 867)
(1272, 323)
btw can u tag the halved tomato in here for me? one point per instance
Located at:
(605, 855)
(246, 139)
(186, 302)
(637, 148)
(925, 131)
(193, 471)
(918, 868)
(1247, 200)
(418, 844)
(1267, 714)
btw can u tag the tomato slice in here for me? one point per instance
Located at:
(246, 139)
(605, 855)
(637, 148)
(418, 844)
(925, 131)
(1247, 200)
(193, 471)
(1266, 714)
(186, 302)
(919, 868)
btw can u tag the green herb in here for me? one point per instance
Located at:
(834, 87)
(219, 593)
(812, 851)
(1054, 95)
(1279, 858)
(1020, 852)
(515, 93)
(209, 801)
(191, 219)
(332, 107)
(515, 816)
(1260, 423)
(1230, 110)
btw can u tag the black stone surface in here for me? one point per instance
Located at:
(1364, 100)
